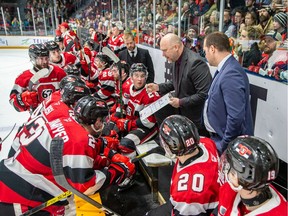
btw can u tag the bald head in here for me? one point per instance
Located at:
(172, 47)
(171, 39)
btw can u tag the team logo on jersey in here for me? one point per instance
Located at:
(166, 129)
(243, 151)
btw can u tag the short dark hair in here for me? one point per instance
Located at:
(218, 40)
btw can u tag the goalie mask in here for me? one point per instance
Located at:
(252, 160)
(178, 135)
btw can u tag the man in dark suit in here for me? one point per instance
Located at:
(134, 54)
(227, 112)
(191, 80)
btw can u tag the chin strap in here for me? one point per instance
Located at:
(259, 199)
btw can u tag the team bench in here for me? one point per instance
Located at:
(150, 165)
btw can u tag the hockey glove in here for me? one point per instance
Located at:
(113, 156)
(90, 84)
(115, 117)
(124, 125)
(110, 142)
(30, 98)
(123, 171)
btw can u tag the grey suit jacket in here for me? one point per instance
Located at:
(194, 80)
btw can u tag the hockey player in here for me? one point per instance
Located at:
(27, 97)
(58, 58)
(194, 187)
(58, 105)
(71, 41)
(27, 177)
(138, 131)
(59, 40)
(103, 79)
(121, 86)
(250, 164)
(115, 41)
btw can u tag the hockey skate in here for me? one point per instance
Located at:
(126, 184)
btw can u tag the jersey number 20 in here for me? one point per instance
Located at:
(197, 182)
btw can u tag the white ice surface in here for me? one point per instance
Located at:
(12, 63)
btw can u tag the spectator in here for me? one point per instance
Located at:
(196, 161)
(227, 112)
(266, 19)
(191, 80)
(274, 61)
(228, 27)
(280, 24)
(134, 54)
(248, 190)
(253, 54)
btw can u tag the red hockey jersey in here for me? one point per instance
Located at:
(116, 43)
(194, 187)
(27, 177)
(67, 58)
(105, 88)
(44, 87)
(229, 201)
(135, 101)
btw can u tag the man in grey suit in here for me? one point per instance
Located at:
(134, 54)
(191, 80)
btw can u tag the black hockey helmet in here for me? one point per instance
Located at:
(73, 91)
(104, 58)
(91, 44)
(58, 38)
(37, 50)
(121, 66)
(68, 79)
(51, 45)
(138, 67)
(179, 134)
(253, 159)
(88, 109)
(72, 70)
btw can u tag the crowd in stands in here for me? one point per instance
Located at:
(41, 9)
(246, 23)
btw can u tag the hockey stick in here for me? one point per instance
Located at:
(47, 203)
(116, 60)
(34, 80)
(158, 150)
(2, 140)
(38, 75)
(56, 161)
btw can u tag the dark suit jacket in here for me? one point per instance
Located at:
(191, 85)
(228, 108)
(142, 56)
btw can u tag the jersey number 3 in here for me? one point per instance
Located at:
(197, 182)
